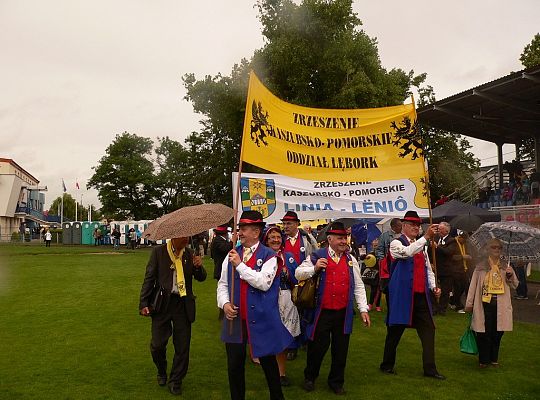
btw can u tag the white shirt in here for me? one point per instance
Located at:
(261, 279)
(397, 250)
(306, 270)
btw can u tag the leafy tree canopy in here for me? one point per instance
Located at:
(531, 53)
(69, 209)
(123, 178)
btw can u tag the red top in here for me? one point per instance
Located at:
(244, 286)
(419, 273)
(336, 289)
(295, 250)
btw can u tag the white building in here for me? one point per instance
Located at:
(21, 200)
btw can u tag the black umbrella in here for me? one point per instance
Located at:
(347, 223)
(467, 223)
(456, 208)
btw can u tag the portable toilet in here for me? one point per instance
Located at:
(88, 232)
(123, 231)
(77, 232)
(67, 233)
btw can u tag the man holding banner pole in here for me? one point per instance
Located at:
(411, 280)
(251, 308)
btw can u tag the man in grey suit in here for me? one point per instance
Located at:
(171, 267)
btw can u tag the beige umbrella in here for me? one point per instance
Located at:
(188, 221)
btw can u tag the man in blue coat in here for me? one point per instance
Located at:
(248, 294)
(411, 280)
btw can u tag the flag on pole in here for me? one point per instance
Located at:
(77, 185)
(64, 186)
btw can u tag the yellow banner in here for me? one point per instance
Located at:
(331, 144)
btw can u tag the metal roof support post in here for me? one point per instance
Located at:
(500, 163)
(518, 154)
(537, 151)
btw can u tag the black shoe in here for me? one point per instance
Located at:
(309, 386)
(339, 391)
(390, 371)
(436, 375)
(175, 388)
(284, 381)
(162, 380)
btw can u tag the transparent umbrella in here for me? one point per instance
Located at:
(520, 241)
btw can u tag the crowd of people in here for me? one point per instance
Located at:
(258, 275)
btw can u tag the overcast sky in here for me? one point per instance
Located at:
(76, 73)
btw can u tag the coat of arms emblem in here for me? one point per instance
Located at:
(258, 195)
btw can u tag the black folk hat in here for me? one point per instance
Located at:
(221, 229)
(290, 216)
(336, 228)
(251, 217)
(412, 216)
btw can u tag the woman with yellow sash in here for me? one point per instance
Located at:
(490, 302)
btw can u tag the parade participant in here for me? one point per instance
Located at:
(301, 244)
(287, 310)
(298, 242)
(340, 283)
(171, 266)
(252, 316)
(445, 250)
(411, 279)
(219, 249)
(464, 256)
(490, 303)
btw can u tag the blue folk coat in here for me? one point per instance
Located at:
(400, 290)
(266, 333)
(314, 314)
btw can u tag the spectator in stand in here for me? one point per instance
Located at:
(519, 196)
(507, 193)
(443, 199)
(535, 183)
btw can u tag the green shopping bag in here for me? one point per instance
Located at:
(467, 342)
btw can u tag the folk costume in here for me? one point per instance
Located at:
(331, 321)
(302, 245)
(411, 280)
(258, 322)
(177, 312)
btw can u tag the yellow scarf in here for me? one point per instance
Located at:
(462, 251)
(177, 265)
(493, 281)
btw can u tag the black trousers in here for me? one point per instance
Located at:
(446, 283)
(422, 322)
(329, 331)
(489, 341)
(171, 321)
(236, 362)
(460, 285)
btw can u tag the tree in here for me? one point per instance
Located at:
(451, 164)
(531, 53)
(174, 181)
(315, 55)
(124, 178)
(69, 209)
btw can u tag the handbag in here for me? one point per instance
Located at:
(157, 298)
(304, 293)
(467, 342)
(370, 276)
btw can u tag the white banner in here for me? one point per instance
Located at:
(274, 195)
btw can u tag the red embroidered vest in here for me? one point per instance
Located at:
(336, 288)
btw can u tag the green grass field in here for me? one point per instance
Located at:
(70, 329)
